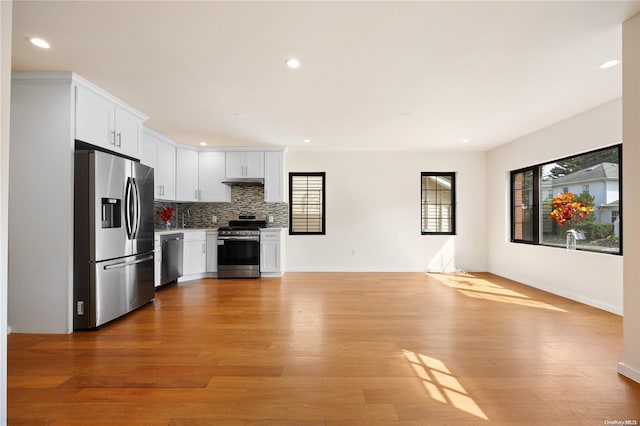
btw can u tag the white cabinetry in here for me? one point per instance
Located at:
(271, 250)
(160, 153)
(186, 175)
(103, 122)
(245, 164)
(212, 251)
(46, 117)
(157, 253)
(195, 253)
(274, 177)
(211, 172)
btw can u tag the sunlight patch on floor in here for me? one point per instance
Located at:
(441, 384)
(482, 289)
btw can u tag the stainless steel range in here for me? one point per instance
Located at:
(239, 247)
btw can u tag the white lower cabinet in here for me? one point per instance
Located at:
(157, 248)
(212, 251)
(271, 249)
(195, 253)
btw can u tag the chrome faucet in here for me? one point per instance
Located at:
(184, 224)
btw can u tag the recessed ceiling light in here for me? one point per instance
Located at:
(293, 63)
(39, 42)
(307, 141)
(203, 144)
(609, 64)
(465, 140)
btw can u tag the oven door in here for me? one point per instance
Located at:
(238, 257)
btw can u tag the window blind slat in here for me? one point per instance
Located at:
(306, 199)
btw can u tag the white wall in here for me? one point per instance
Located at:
(5, 89)
(373, 207)
(591, 278)
(630, 365)
(41, 210)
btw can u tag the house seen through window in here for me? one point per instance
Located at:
(592, 178)
(438, 203)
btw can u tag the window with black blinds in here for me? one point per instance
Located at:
(306, 203)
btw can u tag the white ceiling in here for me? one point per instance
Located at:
(374, 75)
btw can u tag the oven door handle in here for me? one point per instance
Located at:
(238, 238)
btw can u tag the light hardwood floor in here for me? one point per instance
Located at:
(332, 349)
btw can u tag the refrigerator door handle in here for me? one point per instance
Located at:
(123, 264)
(127, 209)
(136, 209)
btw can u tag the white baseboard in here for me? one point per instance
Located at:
(629, 372)
(563, 293)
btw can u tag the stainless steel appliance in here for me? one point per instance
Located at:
(113, 237)
(172, 257)
(239, 247)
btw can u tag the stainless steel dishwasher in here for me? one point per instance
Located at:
(172, 249)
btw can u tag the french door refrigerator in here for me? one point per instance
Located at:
(113, 237)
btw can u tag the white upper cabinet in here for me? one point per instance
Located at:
(186, 175)
(166, 172)
(103, 122)
(128, 128)
(160, 153)
(211, 173)
(245, 164)
(274, 177)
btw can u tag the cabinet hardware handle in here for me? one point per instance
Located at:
(113, 133)
(119, 139)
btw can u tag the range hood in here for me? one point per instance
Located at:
(243, 181)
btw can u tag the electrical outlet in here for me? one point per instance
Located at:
(270, 219)
(214, 218)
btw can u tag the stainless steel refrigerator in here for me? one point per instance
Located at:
(113, 237)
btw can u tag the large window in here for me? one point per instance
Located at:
(525, 201)
(593, 180)
(306, 203)
(438, 203)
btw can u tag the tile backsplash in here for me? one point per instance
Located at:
(245, 199)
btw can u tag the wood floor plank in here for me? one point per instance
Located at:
(331, 349)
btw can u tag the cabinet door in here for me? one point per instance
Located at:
(234, 163)
(191, 257)
(128, 128)
(212, 252)
(150, 154)
(158, 261)
(95, 119)
(274, 177)
(194, 256)
(254, 163)
(166, 172)
(211, 173)
(242, 164)
(269, 256)
(186, 175)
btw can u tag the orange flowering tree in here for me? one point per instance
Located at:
(566, 209)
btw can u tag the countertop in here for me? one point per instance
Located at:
(183, 230)
(212, 229)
